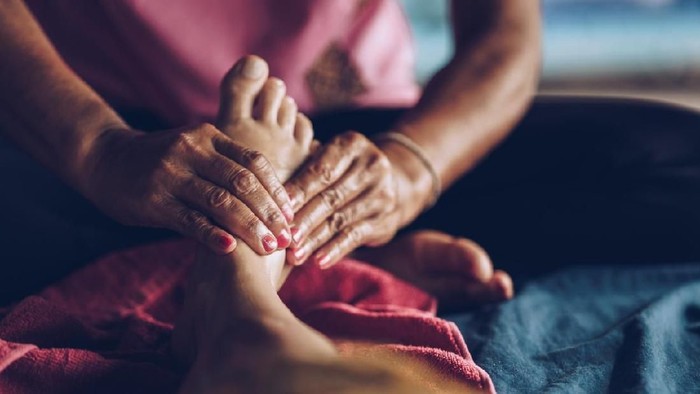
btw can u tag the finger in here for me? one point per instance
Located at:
(324, 169)
(193, 224)
(229, 212)
(354, 182)
(343, 243)
(362, 208)
(243, 185)
(265, 175)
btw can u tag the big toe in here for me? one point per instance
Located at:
(240, 87)
(458, 255)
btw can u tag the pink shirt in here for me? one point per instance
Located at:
(168, 56)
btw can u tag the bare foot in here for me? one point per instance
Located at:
(233, 322)
(256, 113)
(234, 332)
(456, 270)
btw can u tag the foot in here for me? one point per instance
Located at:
(255, 112)
(233, 322)
(456, 270)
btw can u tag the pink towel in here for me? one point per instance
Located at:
(107, 327)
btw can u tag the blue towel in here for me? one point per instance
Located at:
(593, 330)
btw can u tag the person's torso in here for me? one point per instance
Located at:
(168, 56)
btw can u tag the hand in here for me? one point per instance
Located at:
(195, 181)
(351, 193)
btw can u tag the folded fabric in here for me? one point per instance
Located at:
(107, 327)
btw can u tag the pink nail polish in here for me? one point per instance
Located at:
(284, 239)
(295, 235)
(269, 243)
(322, 260)
(225, 241)
(288, 213)
(299, 254)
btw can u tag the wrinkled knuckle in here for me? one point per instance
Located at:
(322, 172)
(191, 220)
(250, 223)
(217, 197)
(338, 221)
(274, 216)
(244, 182)
(279, 193)
(353, 234)
(332, 198)
(253, 159)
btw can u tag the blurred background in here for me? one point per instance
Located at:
(638, 48)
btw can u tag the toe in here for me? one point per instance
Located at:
(288, 113)
(303, 130)
(270, 100)
(473, 258)
(240, 87)
(502, 284)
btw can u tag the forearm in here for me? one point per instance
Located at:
(472, 104)
(44, 107)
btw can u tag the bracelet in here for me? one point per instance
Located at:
(408, 143)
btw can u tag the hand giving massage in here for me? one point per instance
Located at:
(254, 189)
(174, 222)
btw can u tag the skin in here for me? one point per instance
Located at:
(234, 334)
(193, 180)
(356, 193)
(197, 181)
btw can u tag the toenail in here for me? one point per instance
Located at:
(253, 68)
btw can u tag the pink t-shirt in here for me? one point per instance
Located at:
(168, 56)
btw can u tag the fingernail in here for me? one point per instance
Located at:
(253, 68)
(299, 254)
(295, 235)
(269, 243)
(322, 260)
(225, 241)
(299, 257)
(284, 239)
(288, 213)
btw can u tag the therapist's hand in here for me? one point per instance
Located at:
(195, 181)
(351, 193)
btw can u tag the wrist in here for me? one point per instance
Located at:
(415, 183)
(90, 135)
(99, 147)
